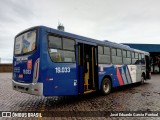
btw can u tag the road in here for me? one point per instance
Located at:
(135, 97)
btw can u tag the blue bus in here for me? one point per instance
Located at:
(51, 62)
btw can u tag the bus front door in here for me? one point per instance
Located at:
(87, 62)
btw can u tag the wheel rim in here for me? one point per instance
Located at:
(106, 87)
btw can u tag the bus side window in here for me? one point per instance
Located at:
(116, 56)
(68, 44)
(143, 60)
(55, 55)
(107, 54)
(57, 52)
(104, 55)
(54, 42)
(137, 61)
(126, 57)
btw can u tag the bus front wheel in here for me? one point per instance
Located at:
(106, 86)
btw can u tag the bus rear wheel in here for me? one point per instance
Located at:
(106, 86)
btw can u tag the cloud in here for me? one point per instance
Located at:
(11, 10)
(122, 21)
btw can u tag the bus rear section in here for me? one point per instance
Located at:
(26, 63)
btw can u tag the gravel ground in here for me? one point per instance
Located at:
(134, 97)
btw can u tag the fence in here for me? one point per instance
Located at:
(6, 68)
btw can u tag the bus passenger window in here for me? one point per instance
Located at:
(104, 57)
(54, 42)
(116, 56)
(59, 54)
(136, 55)
(133, 55)
(114, 52)
(126, 57)
(68, 44)
(140, 56)
(107, 51)
(143, 60)
(119, 52)
(100, 50)
(128, 54)
(55, 56)
(124, 53)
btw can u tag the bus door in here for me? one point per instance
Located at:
(148, 69)
(87, 64)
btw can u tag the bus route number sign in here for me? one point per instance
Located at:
(62, 69)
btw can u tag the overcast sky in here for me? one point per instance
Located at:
(122, 21)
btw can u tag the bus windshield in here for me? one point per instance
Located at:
(25, 43)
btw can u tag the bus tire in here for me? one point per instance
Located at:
(142, 79)
(106, 86)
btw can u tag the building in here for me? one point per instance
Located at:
(154, 50)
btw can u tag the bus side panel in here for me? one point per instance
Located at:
(58, 78)
(58, 82)
(126, 74)
(109, 70)
(135, 72)
(120, 74)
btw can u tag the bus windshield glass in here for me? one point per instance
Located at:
(25, 43)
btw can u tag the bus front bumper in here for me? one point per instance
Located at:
(31, 88)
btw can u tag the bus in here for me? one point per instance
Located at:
(50, 62)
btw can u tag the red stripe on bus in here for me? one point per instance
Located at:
(119, 77)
